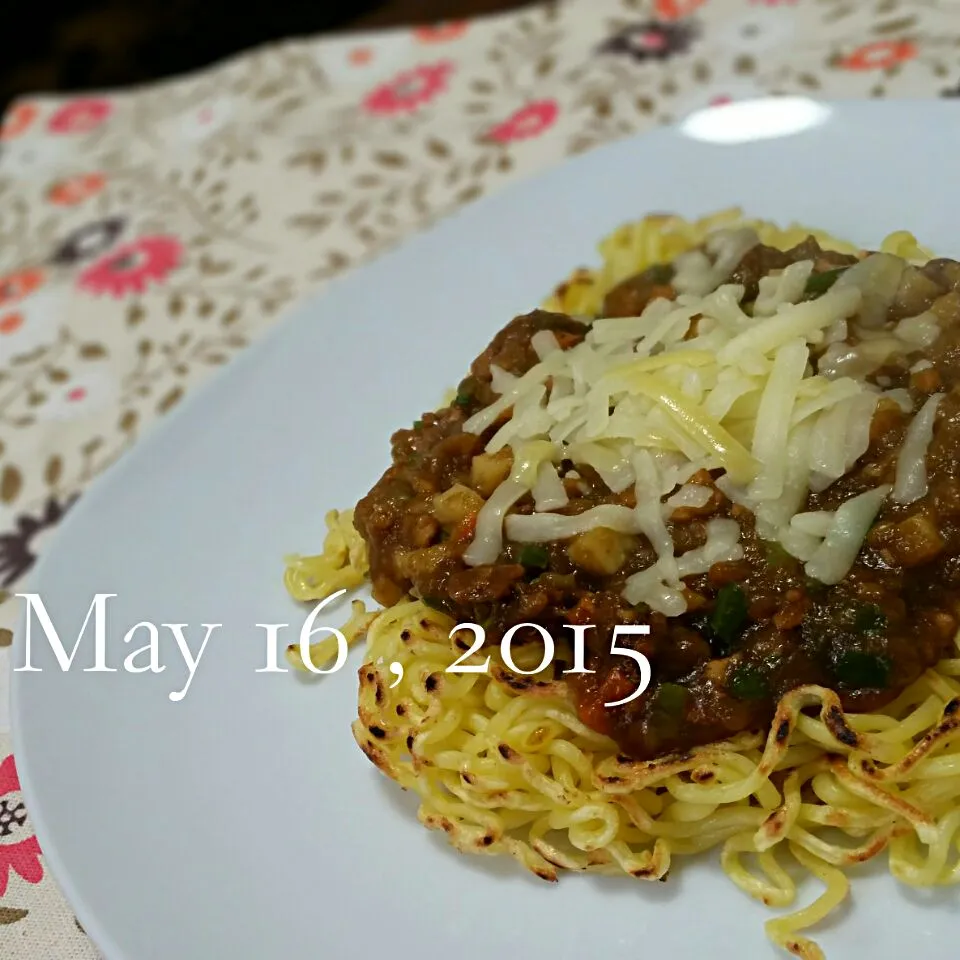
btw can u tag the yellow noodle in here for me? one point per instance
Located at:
(534, 756)
(341, 565)
(774, 888)
(783, 930)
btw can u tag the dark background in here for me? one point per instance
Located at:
(76, 45)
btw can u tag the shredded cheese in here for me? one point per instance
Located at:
(488, 537)
(910, 483)
(547, 527)
(787, 287)
(795, 320)
(701, 428)
(770, 398)
(773, 419)
(697, 274)
(920, 331)
(549, 492)
(544, 342)
(690, 495)
(832, 560)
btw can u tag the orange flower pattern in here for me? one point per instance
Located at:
(675, 9)
(15, 286)
(879, 55)
(18, 120)
(73, 190)
(152, 235)
(11, 322)
(441, 32)
(360, 55)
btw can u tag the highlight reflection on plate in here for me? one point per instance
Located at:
(764, 118)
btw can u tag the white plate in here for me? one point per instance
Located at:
(243, 822)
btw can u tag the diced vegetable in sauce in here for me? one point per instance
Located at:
(534, 557)
(660, 273)
(776, 555)
(869, 619)
(438, 604)
(671, 698)
(746, 682)
(729, 614)
(819, 283)
(858, 670)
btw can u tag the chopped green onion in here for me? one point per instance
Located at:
(858, 670)
(818, 283)
(660, 273)
(729, 613)
(462, 399)
(534, 556)
(671, 697)
(776, 555)
(484, 613)
(746, 682)
(417, 424)
(436, 603)
(869, 618)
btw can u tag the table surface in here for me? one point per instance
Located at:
(150, 235)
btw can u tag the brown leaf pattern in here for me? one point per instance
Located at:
(140, 255)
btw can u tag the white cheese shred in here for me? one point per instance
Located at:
(832, 560)
(488, 536)
(547, 527)
(549, 492)
(773, 419)
(910, 483)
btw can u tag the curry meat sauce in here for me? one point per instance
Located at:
(754, 628)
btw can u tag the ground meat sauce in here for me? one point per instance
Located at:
(754, 628)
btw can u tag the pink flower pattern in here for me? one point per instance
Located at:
(529, 121)
(19, 849)
(409, 90)
(131, 268)
(80, 116)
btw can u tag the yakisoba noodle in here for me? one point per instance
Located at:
(503, 764)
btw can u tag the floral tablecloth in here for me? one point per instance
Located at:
(148, 236)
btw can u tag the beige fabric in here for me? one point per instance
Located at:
(149, 236)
